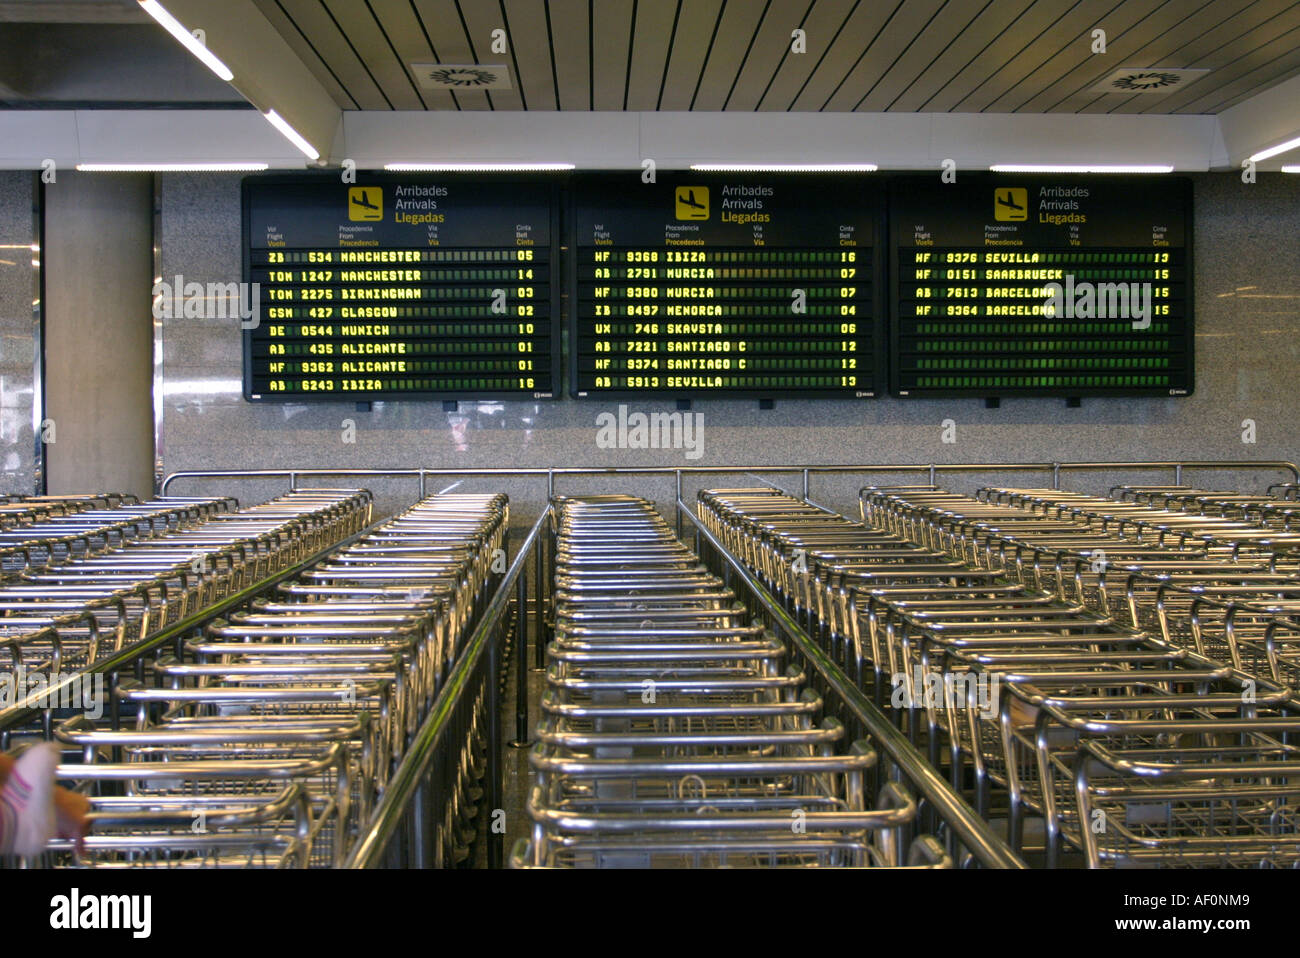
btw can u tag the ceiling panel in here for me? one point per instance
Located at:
(1196, 41)
(298, 42)
(986, 26)
(896, 37)
(936, 36)
(364, 35)
(652, 38)
(480, 18)
(402, 27)
(611, 39)
(696, 25)
(1282, 54)
(865, 21)
(822, 27)
(1072, 29)
(530, 46)
(571, 51)
(1129, 27)
(442, 25)
(1031, 23)
(770, 50)
(313, 20)
(741, 19)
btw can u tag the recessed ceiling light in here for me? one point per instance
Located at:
(473, 167)
(1275, 150)
(191, 42)
(1069, 168)
(784, 167)
(170, 167)
(293, 135)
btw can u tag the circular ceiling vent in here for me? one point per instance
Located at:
(459, 76)
(1147, 80)
(468, 76)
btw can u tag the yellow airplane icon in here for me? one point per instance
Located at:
(1011, 204)
(692, 202)
(365, 203)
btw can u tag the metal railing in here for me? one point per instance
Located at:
(962, 827)
(805, 473)
(399, 833)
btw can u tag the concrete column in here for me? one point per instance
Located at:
(98, 261)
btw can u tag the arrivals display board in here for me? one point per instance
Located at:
(401, 287)
(1041, 285)
(720, 284)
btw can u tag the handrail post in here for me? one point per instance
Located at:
(521, 657)
(539, 600)
(677, 508)
(805, 485)
(495, 840)
(422, 485)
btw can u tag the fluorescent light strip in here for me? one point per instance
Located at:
(1291, 169)
(293, 135)
(1031, 168)
(1275, 150)
(473, 167)
(784, 167)
(176, 29)
(170, 167)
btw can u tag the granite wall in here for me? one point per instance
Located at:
(1247, 301)
(18, 461)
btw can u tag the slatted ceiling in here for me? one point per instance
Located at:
(1229, 62)
(854, 38)
(1032, 22)
(529, 43)
(944, 27)
(652, 35)
(1195, 41)
(441, 20)
(1229, 49)
(1286, 50)
(611, 34)
(822, 26)
(306, 53)
(317, 25)
(571, 52)
(1266, 17)
(1234, 100)
(695, 25)
(1129, 42)
(405, 32)
(1031, 56)
(770, 49)
(740, 21)
(365, 36)
(1237, 60)
(481, 18)
(984, 27)
(1073, 29)
(1129, 27)
(898, 35)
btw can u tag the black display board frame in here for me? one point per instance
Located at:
(551, 184)
(630, 181)
(989, 181)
